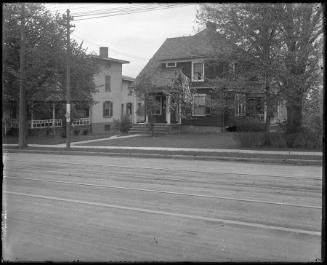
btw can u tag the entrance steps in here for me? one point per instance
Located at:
(159, 128)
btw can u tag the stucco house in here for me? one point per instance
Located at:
(114, 97)
(206, 61)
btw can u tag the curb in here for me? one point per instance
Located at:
(292, 161)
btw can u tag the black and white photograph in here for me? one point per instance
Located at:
(163, 132)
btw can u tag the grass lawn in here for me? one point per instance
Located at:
(225, 140)
(222, 140)
(51, 139)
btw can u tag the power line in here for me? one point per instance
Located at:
(122, 8)
(113, 49)
(127, 13)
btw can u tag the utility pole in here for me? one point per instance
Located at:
(22, 108)
(68, 116)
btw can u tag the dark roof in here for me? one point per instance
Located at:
(128, 78)
(205, 44)
(109, 59)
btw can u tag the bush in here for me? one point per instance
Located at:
(249, 125)
(251, 139)
(305, 139)
(123, 125)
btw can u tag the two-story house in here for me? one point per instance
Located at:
(113, 97)
(207, 61)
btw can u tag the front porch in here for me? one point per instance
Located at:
(165, 109)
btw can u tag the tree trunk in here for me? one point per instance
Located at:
(294, 118)
(267, 124)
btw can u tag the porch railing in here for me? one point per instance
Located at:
(81, 121)
(45, 123)
(14, 123)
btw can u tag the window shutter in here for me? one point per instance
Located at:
(110, 109)
(108, 83)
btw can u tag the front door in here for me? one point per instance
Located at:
(159, 114)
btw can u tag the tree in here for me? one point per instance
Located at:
(253, 28)
(301, 28)
(178, 89)
(45, 67)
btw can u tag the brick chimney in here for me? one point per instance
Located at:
(211, 26)
(103, 53)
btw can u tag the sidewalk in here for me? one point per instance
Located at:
(269, 156)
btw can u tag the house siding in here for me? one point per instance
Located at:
(114, 70)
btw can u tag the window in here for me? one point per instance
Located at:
(240, 104)
(233, 68)
(173, 64)
(198, 72)
(201, 104)
(130, 91)
(108, 83)
(107, 109)
(157, 106)
(129, 108)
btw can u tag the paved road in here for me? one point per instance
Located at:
(93, 208)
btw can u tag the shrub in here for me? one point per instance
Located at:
(304, 139)
(251, 139)
(123, 125)
(249, 125)
(307, 138)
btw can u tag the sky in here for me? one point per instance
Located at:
(132, 37)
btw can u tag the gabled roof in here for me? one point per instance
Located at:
(205, 44)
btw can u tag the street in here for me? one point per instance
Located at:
(98, 208)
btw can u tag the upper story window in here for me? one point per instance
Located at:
(171, 64)
(201, 104)
(198, 72)
(108, 83)
(130, 91)
(107, 109)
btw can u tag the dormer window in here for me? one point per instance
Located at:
(171, 64)
(197, 72)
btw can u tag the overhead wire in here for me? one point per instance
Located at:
(121, 8)
(109, 14)
(113, 49)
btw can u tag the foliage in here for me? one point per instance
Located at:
(284, 39)
(301, 27)
(304, 140)
(249, 125)
(178, 90)
(123, 125)
(45, 63)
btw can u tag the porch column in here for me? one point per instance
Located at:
(179, 112)
(32, 118)
(265, 112)
(53, 118)
(168, 99)
(134, 109)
